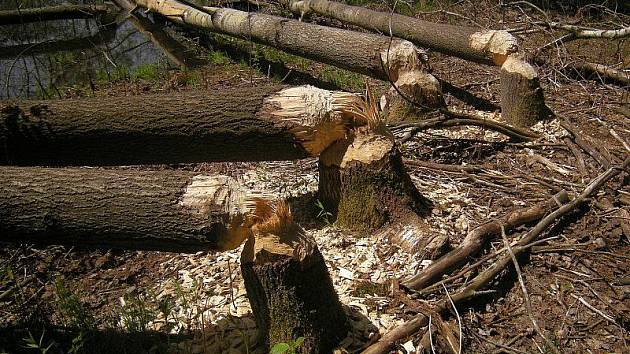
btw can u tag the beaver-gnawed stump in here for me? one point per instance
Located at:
(364, 183)
(288, 286)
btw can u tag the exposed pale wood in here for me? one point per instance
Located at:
(483, 46)
(176, 211)
(228, 124)
(288, 285)
(364, 53)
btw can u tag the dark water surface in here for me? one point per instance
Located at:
(37, 60)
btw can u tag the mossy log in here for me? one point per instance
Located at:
(369, 54)
(228, 124)
(176, 211)
(289, 287)
(60, 12)
(364, 183)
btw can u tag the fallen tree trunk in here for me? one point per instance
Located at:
(522, 101)
(231, 124)
(288, 285)
(60, 12)
(395, 60)
(482, 46)
(176, 211)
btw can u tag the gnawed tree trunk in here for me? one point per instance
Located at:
(364, 53)
(491, 47)
(176, 211)
(363, 181)
(176, 53)
(288, 285)
(522, 98)
(230, 124)
(61, 12)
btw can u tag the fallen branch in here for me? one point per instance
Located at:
(583, 143)
(61, 12)
(604, 71)
(476, 239)
(476, 286)
(455, 117)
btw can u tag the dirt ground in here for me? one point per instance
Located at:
(578, 281)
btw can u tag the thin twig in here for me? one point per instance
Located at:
(528, 303)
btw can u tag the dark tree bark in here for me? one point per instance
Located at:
(289, 288)
(231, 124)
(522, 98)
(61, 12)
(482, 46)
(175, 211)
(364, 183)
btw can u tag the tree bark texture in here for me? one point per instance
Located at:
(369, 54)
(482, 46)
(230, 124)
(61, 12)
(167, 210)
(290, 290)
(364, 183)
(522, 98)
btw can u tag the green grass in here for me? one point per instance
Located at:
(342, 78)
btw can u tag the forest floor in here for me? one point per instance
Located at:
(578, 280)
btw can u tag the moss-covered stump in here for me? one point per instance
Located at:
(364, 183)
(288, 286)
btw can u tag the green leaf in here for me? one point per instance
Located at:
(280, 348)
(298, 342)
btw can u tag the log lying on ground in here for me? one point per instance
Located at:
(395, 60)
(288, 285)
(522, 101)
(478, 238)
(176, 211)
(229, 124)
(60, 12)
(176, 53)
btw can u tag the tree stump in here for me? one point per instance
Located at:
(522, 98)
(364, 183)
(288, 285)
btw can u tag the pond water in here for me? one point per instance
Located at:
(38, 60)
